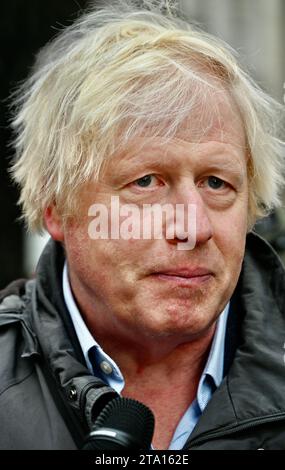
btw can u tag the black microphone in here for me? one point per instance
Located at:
(123, 423)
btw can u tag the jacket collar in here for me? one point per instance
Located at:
(49, 291)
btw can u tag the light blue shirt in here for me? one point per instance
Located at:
(103, 366)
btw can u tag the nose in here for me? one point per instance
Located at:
(192, 224)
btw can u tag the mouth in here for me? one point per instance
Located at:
(184, 276)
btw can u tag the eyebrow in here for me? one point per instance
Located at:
(135, 165)
(219, 160)
(229, 169)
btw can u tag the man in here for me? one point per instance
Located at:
(126, 112)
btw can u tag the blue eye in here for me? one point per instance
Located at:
(144, 181)
(215, 183)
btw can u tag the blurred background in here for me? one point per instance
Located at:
(253, 27)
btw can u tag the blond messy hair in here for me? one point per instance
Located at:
(115, 73)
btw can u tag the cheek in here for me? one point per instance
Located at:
(230, 237)
(102, 262)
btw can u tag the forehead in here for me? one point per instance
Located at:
(216, 120)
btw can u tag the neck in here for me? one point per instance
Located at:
(158, 355)
(168, 385)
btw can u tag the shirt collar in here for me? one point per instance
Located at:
(212, 375)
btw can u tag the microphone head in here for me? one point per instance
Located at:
(124, 423)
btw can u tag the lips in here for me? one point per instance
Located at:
(186, 272)
(184, 276)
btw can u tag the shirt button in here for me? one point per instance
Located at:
(72, 393)
(106, 367)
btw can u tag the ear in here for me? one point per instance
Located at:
(53, 223)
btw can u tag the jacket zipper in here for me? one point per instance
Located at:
(233, 429)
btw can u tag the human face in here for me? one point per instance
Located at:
(141, 290)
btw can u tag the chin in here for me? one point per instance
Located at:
(184, 317)
(183, 328)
